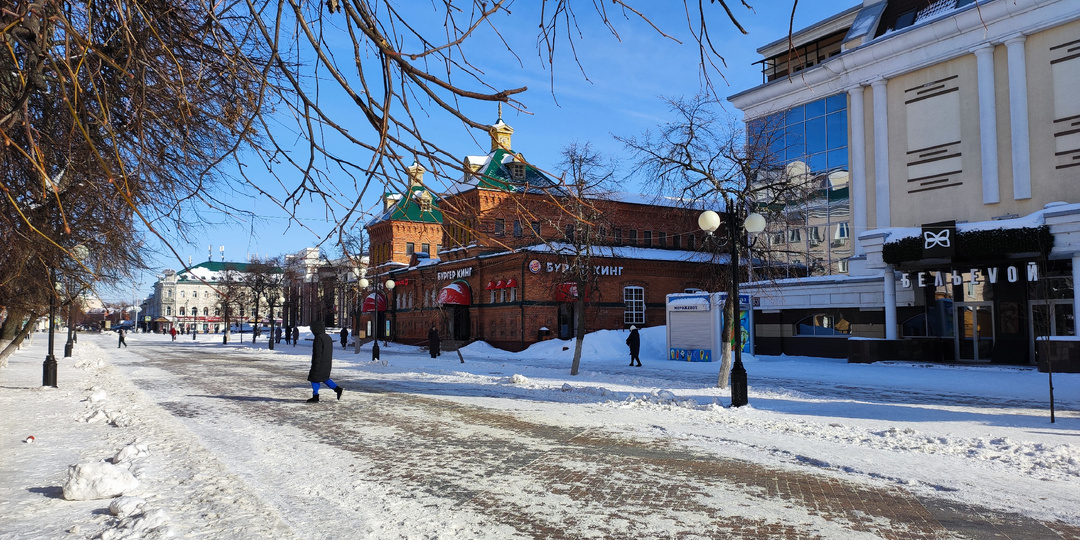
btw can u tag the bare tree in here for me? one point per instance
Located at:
(232, 297)
(707, 161)
(155, 107)
(264, 281)
(588, 180)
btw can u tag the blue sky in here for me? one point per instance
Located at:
(620, 93)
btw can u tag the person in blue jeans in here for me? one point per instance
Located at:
(322, 355)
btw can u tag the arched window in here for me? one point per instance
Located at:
(183, 294)
(205, 311)
(182, 312)
(217, 313)
(168, 293)
(168, 310)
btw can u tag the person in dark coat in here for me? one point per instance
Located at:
(634, 342)
(433, 341)
(344, 338)
(295, 335)
(322, 355)
(122, 342)
(277, 335)
(288, 335)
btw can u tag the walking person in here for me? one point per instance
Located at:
(277, 335)
(634, 342)
(433, 341)
(172, 332)
(122, 342)
(288, 335)
(295, 335)
(322, 355)
(344, 338)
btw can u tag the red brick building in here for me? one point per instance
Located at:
(492, 261)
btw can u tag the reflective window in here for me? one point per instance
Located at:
(823, 324)
(811, 140)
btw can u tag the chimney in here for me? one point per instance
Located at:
(390, 199)
(416, 174)
(500, 133)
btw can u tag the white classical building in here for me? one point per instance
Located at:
(953, 131)
(190, 300)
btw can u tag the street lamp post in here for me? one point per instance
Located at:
(70, 345)
(48, 368)
(79, 252)
(709, 221)
(375, 327)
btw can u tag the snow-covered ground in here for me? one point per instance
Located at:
(977, 435)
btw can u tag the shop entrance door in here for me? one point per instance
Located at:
(566, 320)
(974, 333)
(459, 323)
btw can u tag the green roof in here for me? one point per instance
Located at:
(407, 208)
(217, 266)
(495, 175)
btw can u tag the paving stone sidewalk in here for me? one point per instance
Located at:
(549, 481)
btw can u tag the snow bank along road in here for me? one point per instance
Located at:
(234, 452)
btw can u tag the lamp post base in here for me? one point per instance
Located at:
(48, 371)
(738, 385)
(68, 348)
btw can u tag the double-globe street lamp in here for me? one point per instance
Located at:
(753, 223)
(375, 327)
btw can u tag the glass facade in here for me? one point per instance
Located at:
(813, 234)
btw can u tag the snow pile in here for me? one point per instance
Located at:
(89, 362)
(148, 525)
(125, 506)
(131, 452)
(663, 398)
(100, 480)
(97, 395)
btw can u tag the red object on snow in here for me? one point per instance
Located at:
(29, 439)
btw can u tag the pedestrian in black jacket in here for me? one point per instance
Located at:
(296, 335)
(344, 338)
(634, 341)
(122, 342)
(433, 341)
(322, 355)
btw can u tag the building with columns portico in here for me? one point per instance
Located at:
(954, 128)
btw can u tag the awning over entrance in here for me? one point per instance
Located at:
(567, 292)
(372, 301)
(457, 293)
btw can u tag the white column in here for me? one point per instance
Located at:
(1018, 118)
(881, 153)
(857, 146)
(984, 56)
(1076, 289)
(890, 302)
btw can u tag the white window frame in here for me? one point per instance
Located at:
(634, 300)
